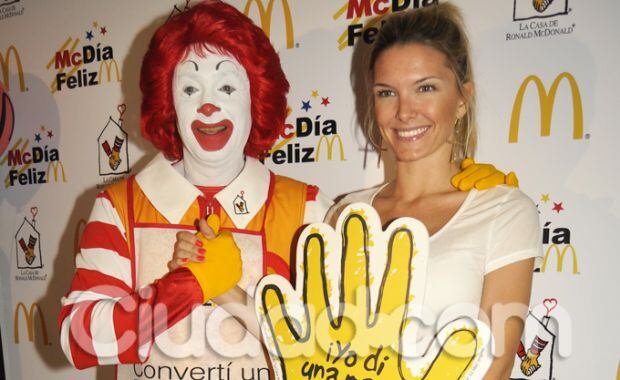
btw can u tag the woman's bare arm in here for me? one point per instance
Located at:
(241, 305)
(505, 299)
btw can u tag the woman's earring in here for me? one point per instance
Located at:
(378, 145)
(454, 157)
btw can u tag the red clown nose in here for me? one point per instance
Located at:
(208, 109)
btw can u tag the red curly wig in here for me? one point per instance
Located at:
(230, 32)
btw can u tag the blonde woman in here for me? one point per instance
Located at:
(422, 107)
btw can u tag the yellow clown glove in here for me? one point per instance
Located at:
(481, 176)
(221, 268)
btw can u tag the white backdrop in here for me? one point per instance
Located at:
(52, 162)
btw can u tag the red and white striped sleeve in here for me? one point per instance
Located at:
(104, 319)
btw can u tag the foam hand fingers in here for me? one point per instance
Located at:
(315, 288)
(289, 316)
(455, 357)
(394, 292)
(355, 271)
(278, 321)
(461, 350)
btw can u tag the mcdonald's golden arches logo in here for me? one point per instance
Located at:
(329, 141)
(266, 14)
(29, 315)
(11, 51)
(547, 103)
(53, 167)
(108, 66)
(560, 254)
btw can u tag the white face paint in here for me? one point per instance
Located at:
(211, 97)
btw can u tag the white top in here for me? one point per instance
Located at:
(492, 228)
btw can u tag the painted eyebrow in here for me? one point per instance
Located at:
(195, 64)
(217, 67)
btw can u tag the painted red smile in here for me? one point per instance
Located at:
(212, 136)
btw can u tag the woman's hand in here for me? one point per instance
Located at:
(212, 256)
(189, 246)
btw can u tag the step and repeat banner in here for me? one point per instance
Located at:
(547, 82)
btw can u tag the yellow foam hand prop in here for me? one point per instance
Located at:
(221, 268)
(481, 176)
(355, 294)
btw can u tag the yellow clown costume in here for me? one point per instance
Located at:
(124, 306)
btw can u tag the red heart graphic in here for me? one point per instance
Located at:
(121, 109)
(550, 304)
(34, 211)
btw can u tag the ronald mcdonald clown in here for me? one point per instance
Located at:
(214, 101)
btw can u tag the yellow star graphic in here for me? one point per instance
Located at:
(544, 198)
(315, 93)
(42, 128)
(95, 24)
